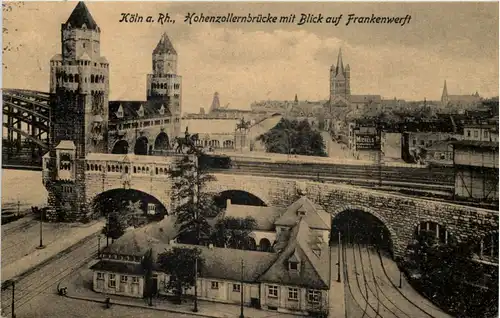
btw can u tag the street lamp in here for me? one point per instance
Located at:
(41, 246)
(338, 260)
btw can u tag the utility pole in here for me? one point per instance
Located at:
(13, 301)
(195, 199)
(338, 260)
(99, 246)
(107, 230)
(241, 291)
(195, 309)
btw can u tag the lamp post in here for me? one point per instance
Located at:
(99, 246)
(41, 246)
(241, 291)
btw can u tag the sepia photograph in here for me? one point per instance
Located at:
(250, 159)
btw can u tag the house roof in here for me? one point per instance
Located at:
(475, 144)
(134, 242)
(130, 109)
(81, 16)
(118, 267)
(315, 216)
(263, 215)
(463, 98)
(441, 146)
(314, 269)
(360, 99)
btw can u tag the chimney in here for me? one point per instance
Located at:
(228, 202)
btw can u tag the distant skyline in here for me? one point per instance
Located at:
(456, 42)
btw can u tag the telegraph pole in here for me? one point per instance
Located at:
(195, 309)
(241, 291)
(338, 260)
(13, 292)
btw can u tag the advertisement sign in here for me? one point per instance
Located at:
(367, 142)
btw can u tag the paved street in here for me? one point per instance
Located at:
(42, 280)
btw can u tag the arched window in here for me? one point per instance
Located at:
(126, 169)
(92, 78)
(135, 169)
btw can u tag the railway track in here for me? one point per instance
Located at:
(370, 294)
(45, 277)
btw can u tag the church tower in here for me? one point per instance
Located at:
(164, 85)
(444, 96)
(79, 90)
(340, 79)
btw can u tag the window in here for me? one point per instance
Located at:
(485, 134)
(293, 294)
(152, 207)
(236, 288)
(215, 285)
(123, 279)
(414, 142)
(272, 291)
(476, 133)
(468, 133)
(313, 296)
(293, 266)
(100, 276)
(422, 142)
(112, 281)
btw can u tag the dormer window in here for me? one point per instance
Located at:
(301, 211)
(119, 113)
(140, 112)
(293, 266)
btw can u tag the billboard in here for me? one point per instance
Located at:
(367, 142)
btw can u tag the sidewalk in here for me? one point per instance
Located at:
(79, 286)
(19, 252)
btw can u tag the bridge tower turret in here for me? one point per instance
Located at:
(164, 85)
(79, 89)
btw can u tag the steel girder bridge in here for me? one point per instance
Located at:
(26, 117)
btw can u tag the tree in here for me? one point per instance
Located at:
(293, 137)
(233, 232)
(115, 226)
(147, 265)
(194, 206)
(180, 264)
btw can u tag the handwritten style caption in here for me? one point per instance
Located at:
(299, 19)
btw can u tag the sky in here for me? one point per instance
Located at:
(456, 42)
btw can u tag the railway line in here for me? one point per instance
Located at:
(370, 291)
(43, 279)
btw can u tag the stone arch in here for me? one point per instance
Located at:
(141, 146)
(240, 197)
(394, 240)
(162, 142)
(120, 147)
(265, 245)
(118, 198)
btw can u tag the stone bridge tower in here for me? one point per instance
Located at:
(164, 85)
(79, 89)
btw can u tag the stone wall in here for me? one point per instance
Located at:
(401, 214)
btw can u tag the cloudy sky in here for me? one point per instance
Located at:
(246, 62)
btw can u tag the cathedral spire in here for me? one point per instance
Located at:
(340, 63)
(445, 89)
(81, 16)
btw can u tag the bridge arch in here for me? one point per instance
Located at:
(120, 147)
(162, 141)
(240, 197)
(381, 231)
(117, 200)
(141, 146)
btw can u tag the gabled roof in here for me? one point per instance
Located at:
(263, 215)
(359, 99)
(315, 216)
(314, 271)
(164, 46)
(133, 243)
(131, 108)
(81, 16)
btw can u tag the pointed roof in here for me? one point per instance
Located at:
(81, 16)
(315, 216)
(445, 90)
(215, 102)
(164, 46)
(313, 271)
(340, 64)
